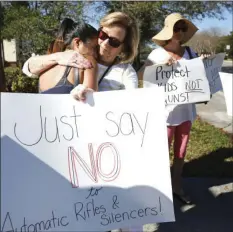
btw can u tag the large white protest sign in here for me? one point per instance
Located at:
(69, 166)
(226, 80)
(184, 82)
(213, 66)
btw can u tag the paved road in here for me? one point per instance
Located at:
(212, 210)
(227, 66)
(215, 113)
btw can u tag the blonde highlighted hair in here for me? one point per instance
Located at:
(131, 41)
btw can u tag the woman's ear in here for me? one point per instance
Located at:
(76, 41)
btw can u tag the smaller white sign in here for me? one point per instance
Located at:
(183, 82)
(228, 47)
(213, 66)
(226, 79)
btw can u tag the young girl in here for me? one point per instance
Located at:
(83, 38)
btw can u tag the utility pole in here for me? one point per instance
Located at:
(2, 74)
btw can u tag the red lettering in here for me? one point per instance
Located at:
(72, 167)
(116, 169)
(95, 168)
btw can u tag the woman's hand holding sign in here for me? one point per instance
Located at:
(79, 92)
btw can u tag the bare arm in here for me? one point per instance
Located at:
(88, 80)
(39, 64)
(90, 76)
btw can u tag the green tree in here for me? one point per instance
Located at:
(223, 42)
(2, 75)
(33, 24)
(207, 41)
(150, 15)
(16, 81)
(230, 42)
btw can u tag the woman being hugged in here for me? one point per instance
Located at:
(61, 79)
(176, 31)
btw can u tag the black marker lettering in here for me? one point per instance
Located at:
(78, 210)
(131, 121)
(33, 226)
(187, 71)
(48, 225)
(40, 226)
(132, 213)
(104, 217)
(158, 70)
(75, 120)
(117, 132)
(142, 130)
(57, 132)
(154, 211)
(41, 132)
(10, 224)
(72, 131)
(61, 221)
(24, 225)
(123, 215)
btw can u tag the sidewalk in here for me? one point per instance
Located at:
(212, 211)
(215, 113)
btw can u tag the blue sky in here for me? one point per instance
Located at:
(206, 23)
(225, 25)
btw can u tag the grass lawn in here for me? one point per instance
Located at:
(209, 153)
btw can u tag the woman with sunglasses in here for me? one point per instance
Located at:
(118, 42)
(60, 79)
(177, 31)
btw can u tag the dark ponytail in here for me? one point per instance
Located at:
(65, 28)
(83, 31)
(58, 44)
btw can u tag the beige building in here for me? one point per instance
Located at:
(9, 52)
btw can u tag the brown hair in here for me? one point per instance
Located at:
(56, 45)
(132, 33)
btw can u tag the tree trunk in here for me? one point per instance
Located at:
(137, 61)
(2, 75)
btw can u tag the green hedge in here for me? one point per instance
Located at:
(17, 82)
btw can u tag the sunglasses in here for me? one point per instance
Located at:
(113, 42)
(177, 29)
